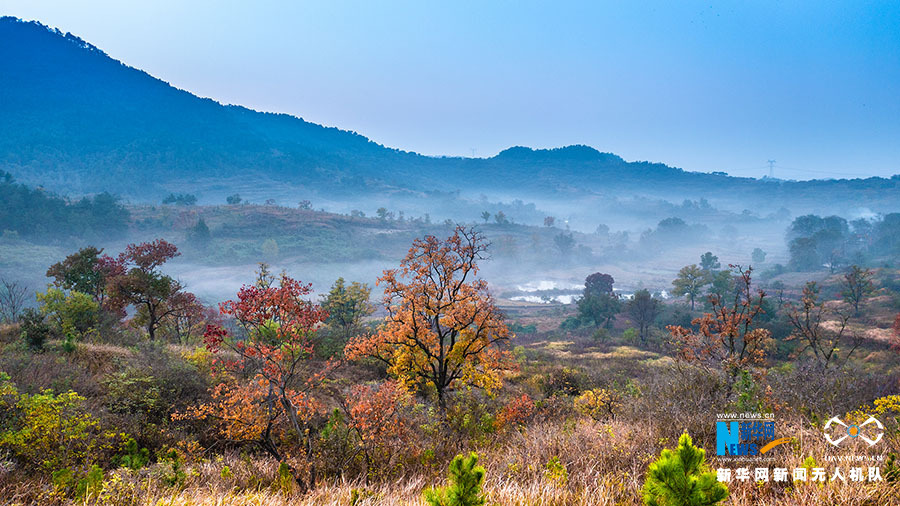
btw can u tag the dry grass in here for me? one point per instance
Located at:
(604, 462)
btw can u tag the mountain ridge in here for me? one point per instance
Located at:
(77, 120)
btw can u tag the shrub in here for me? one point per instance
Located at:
(563, 381)
(35, 330)
(630, 335)
(599, 403)
(466, 478)
(556, 471)
(681, 477)
(54, 432)
(515, 413)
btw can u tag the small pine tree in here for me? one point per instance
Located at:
(134, 457)
(681, 478)
(466, 477)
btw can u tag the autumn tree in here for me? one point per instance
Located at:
(187, 322)
(598, 301)
(724, 286)
(690, 282)
(268, 397)
(155, 296)
(643, 309)
(375, 415)
(727, 339)
(823, 331)
(856, 285)
(442, 330)
(87, 271)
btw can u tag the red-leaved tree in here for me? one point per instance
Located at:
(271, 376)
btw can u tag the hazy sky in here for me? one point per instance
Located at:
(699, 85)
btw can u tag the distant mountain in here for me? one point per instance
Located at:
(77, 121)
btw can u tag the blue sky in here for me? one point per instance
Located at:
(700, 85)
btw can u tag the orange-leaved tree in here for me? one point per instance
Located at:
(376, 415)
(270, 376)
(726, 338)
(442, 329)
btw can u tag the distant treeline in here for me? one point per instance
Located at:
(832, 242)
(35, 213)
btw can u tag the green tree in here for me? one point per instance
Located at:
(199, 235)
(347, 305)
(723, 286)
(601, 309)
(233, 200)
(565, 243)
(690, 282)
(682, 478)
(599, 302)
(80, 272)
(758, 256)
(643, 309)
(35, 330)
(804, 254)
(464, 489)
(486, 216)
(709, 262)
(74, 314)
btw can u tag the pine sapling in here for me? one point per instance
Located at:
(680, 477)
(464, 489)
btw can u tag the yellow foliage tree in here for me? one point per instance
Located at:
(442, 329)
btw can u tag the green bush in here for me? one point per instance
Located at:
(134, 457)
(35, 330)
(681, 478)
(466, 478)
(55, 431)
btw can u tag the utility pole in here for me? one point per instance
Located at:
(771, 168)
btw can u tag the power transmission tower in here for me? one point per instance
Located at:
(771, 168)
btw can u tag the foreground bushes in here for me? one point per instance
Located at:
(51, 432)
